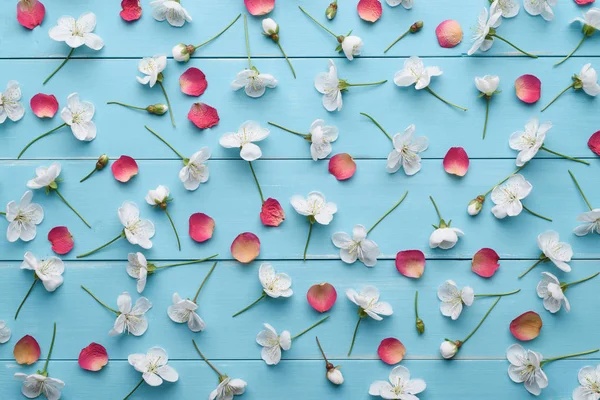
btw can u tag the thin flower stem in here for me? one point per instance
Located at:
(541, 260)
(504, 180)
(218, 34)
(367, 84)
(262, 296)
(168, 102)
(354, 336)
(513, 46)
(204, 281)
(25, 298)
(262, 198)
(319, 322)
(583, 353)
(287, 129)
(45, 370)
(482, 320)
(378, 125)
(60, 66)
(317, 22)
(396, 41)
(308, 240)
(487, 113)
(188, 262)
(174, 228)
(580, 191)
(535, 214)
(573, 52)
(100, 301)
(388, 212)
(2, 213)
(206, 360)
(444, 100)
(417, 304)
(101, 247)
(566, 285)
(321, 349)
(165, 142)
(43, 135)
(286, 59)
(127, 105)
(437, 210)
(499, 294)
(564, 156)
(558, 95)
(247, 42)
(134, 389)
(73, 209)
(89, 175)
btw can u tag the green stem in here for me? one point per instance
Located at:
(563, 156)
(43, 135)
(45, 370)
(187, 262)
(319, 322)
(580, 191)
(88, 175)
(541, 260)
(60, 66)
(366, 84)
(101, 247)
(396, 41)
(262, 296)
(218, 34)
(378, 125)
(71, 207)
(498, 294)
(2, 213)
(437, 210)
(482, 320)
(165, 142)
(388, 212)
(354, 336)
(513, 46)
(566, 285)
(444, 100)
(134, 389)
(35, 279)
(321, 349)
(558, 95)
(168, 102)
(286, 59)
(535, 214)
(100, 301)
(247, 42)
(204, 281)
(504, 180)
(417, 304)
(307, 240)
(317, 22)
(174, 229)
(573, 52)
(289, 130)
(487, 113)
(583, 353)
(206, 360)
(127, 105)
(262, 199)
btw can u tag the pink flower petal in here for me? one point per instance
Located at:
(342, 166)
(203, 115)
(391, 351)
(449, 33)
(201, 227)
(124, 169)
(193, 82)
(369, 10)
(27, 350)
(131, 10)
(61, 239)
(259, 7)
(321, 297)
(410, 263)
(272, 214)
(44, 105)
(456, 161)
(485, 263)
(93, 358)
(583, 2)
(594, 143)
(528, 88)
(526, 326)
(30, 13)
(245, 247)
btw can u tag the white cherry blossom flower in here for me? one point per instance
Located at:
(508, 196)
(35, 385)
(76, 33)
(131, 320)
(270, 27)
(401, 387)
(137, 231)
(254, 83)
(314, 207)
(328, 84)
(559, 253)
(525, 367)
(157, 196)
(228, 388)
(184, 311)
(10, 104)
(415, 73)
(171, 10)
(356, 247)
(590, 18)
(406, 152)
(485, 23)
(368, 301)
(152, 67)
(589, 80)
(78, 115)
(5, 332)
(244, 138)
(529, 141)
(591, 224)
(335, 376)
(273, 344)
(351, 45)
(445, 238)
(137, 268)
(23, 218)
(153, 366)
(589, 379)
(448, 349)
(540, 7)
(487, 85)
(195, 171)
(321, 136)
(48, 270)
(509, 8)
(550, 289)
(408, 4)
(45, 176)
(274, 284)
(453, 299)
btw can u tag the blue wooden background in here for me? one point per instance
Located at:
(479, 371)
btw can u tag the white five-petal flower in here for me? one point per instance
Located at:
(356, 247)
(321, 136)
(481, 40)
(540, 7)
(510, 8)
(508, 196)
(254, 83)
(274, 284)
(76, 33)
(35, 385)
(137, 268)
(5, 332)
(244, 139)
(487, 85)
(273, 344)
(131, 320)
(406, 152)
(525, 367)
(48, 270)
(550, 290)
(415, 73)
(368, 301)
(137, 231)
(453, 299)
(23, 218)
(589, 80)
(529, 141)
(591, 224)
(195, 171)
(589, 379)
(10, 104)
(328, 84)
(78, 115)
(153, 366)
(401, 386)
(184, 311)
(559, 253)
(152, 67)
(351, 46)
(45, 176)
(171, 10)
(314, 207)
(227, 389)
(444, 238)
(408, 4)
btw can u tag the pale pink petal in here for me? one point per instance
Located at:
(485, 262)
(27, 350)
(201, 227)
(203, 115)
(391, 351)
(44, 105)
(410, 263)
(456, 161)
(131, 10)
(271, 213)
(93, 358)
(124, 169)
(321, 297)
(259, 7)
(449, 33)
(61, 239)
(342, 166)
(526, 326)
(245, 247)
(369, 10)
(528, 88)
(584, 2)
(594, 143)
(193, 82)
(30, 13)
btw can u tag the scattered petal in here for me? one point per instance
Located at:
(449, 33)
(44, 105)
(203, 115)
(27, 350)
(193, 82)
(594, 143)
(321, 297)
(342, 166)
(526, 326)
(124, 169)
(61, 239)
(456, 161)
(369, 10)
(584, 2)
(201, 227)
(30, 13)
(410, 263)
(528, 88)
(485, 262)
(93, 358)
(391, 351)
(259, 7)
(245, 247)
(131, 10)
(272, 214)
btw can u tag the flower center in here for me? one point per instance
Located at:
(196, 169)
(399, 387)
(77, 117)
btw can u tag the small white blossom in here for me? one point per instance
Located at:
(23, 218)
(351, 45)
(334, 375)
(195, 171)
(406, 152)
(328, 84)
(35, 385)
(254, 83)
(137, 268)
(408, 4)
(540, 7)
(184, 311)
(510, 8)
(589, 80)
(356, 247)
(49, 270)
(153, 366)
(78, 115)
(401, 387)
(321, 136)
(274, 284)
(453, 299)
(591, 224)
(5, 332)
(550, 290)
(415, 73)
(76, 33)
(171, 10)
(157, 196)
(529, 142)
(589, 379)
(508, 196)
(368, 301)
(590, 18)
(228, 389)
(131, 320)
(270, 27)
(137, 231)
(181, 52)
(444, 238)
(10, 105)
(559, 253)
(273, 344)
(525, 367)
(45, 176)
(315, 207)
(482, 29)
(448, 349)
(152, 67)
(244, 139)
(487, 85)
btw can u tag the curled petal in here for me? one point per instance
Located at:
(93, 358)
(259, 7)
(594, 143)
(124, 169)
(201, 227)
(321, 297)
(61, 239)
(272, 214)
(456, 161)
(528, 88)
(131, 10)
(410, 263)
(203, 115)
(391, 351)
(30, 13)
(449, 33)
(193, 82)
(44, 105)
(369, 10)
(485, 262)
(526, 326)
(27, 350)
(245, 247)
(342, 166)
(584, 2)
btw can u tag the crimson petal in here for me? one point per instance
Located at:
(193, 82)
(321, 297)
(528, 88)
(203, 115)
(410, 263)
(259, 7)
(391, 351)
(369, 10)
(201, 227)
(124, 169)
(30, 13)
(456, 161)
(485, 262)
(271, 213)
(131, 10)
(61, 239)
(93, 357)
(44, 105)
(594, 143)
(342, 166)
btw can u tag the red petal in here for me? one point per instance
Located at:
(245, 247)
(93, 357)
(594, 143)
(528, 88)
(132, 10)
(369, 10)
(272, 214)
(583, 2)
(61, 239)
(321, 297)
(526, 326)
(259, 7)
(30, 13)
(27, 350)
(342, 166)
(449, 33)
(485, 262)
(410, 263)
(201, 227)
(193, 82)
(124, 169)
(44, 105)
(391, 351)
(456, 161)
(203, 115)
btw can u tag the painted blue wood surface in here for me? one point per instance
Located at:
(286, 169)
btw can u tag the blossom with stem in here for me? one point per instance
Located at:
(157, 109)
(488, 86)
(333, 374)
(154, 368)
(319, 136)
(274, 285)
(228, 388)
(368, 306)
(591, 23)
(560, 253)
(316, 209)
(586, 80)
(508, 195)
(590, 218)
(350, 45)
(418, 321)
(100, 164)
(23, 218)
(414, 28)
(553, 291)
(271, 30)
(443, 236)
(152, 68)
(183, 52)
(160, 197)
(475, 205)
(40, 383)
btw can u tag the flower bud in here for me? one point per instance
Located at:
(475, 205)
(331, 11)
(270, 27)
(416, 27)
(158, 109)
(335, 375)
(420, 326)
(448, 349)
(102, 161)
(182, 52)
